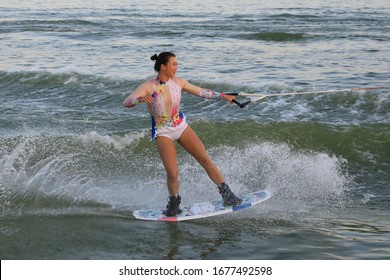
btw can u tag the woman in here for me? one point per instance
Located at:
(162, 96)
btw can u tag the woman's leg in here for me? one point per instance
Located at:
(193, 145)
(167, 150)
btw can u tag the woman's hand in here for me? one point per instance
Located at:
(147, 99)
(228, 97)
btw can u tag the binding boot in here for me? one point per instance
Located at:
(229, 198)
(173, 206)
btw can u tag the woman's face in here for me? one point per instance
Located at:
(171, 67)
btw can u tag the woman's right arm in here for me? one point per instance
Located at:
(142, 94)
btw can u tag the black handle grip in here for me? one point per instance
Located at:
(241, 105)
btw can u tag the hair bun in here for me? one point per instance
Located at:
(154, 57)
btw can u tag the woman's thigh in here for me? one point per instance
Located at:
(167, 150)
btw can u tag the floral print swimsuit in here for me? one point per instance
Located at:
(165, 110)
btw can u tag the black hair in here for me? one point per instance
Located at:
(160, 59)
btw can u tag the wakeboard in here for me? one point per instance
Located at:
(205, 209)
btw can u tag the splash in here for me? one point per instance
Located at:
(40, 171)
(120, 171)
(302, 182)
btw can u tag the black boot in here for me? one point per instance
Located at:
(173, 206)
(229, 198)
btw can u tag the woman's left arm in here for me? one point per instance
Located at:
(203, 92)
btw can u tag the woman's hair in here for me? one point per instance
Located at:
(160, 59)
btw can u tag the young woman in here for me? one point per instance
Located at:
(162, 96)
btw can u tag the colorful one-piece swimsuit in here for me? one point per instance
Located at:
(165, 110)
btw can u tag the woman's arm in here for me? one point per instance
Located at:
(142, 94)
(203, 92)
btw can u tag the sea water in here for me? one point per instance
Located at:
(74, 163)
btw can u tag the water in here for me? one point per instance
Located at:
(74, 163)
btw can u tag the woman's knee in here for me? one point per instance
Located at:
(172, 175)
(205, 161)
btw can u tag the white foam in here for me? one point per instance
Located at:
(69, 69)
(117, 142)
(299, 180)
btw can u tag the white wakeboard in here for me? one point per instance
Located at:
(205, 209)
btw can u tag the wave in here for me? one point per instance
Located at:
(274, 36)
(61, 76)
(58, 25)
(73, 169)
(45, 174)
(303, 16)
(68, 99)
(68, 85)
